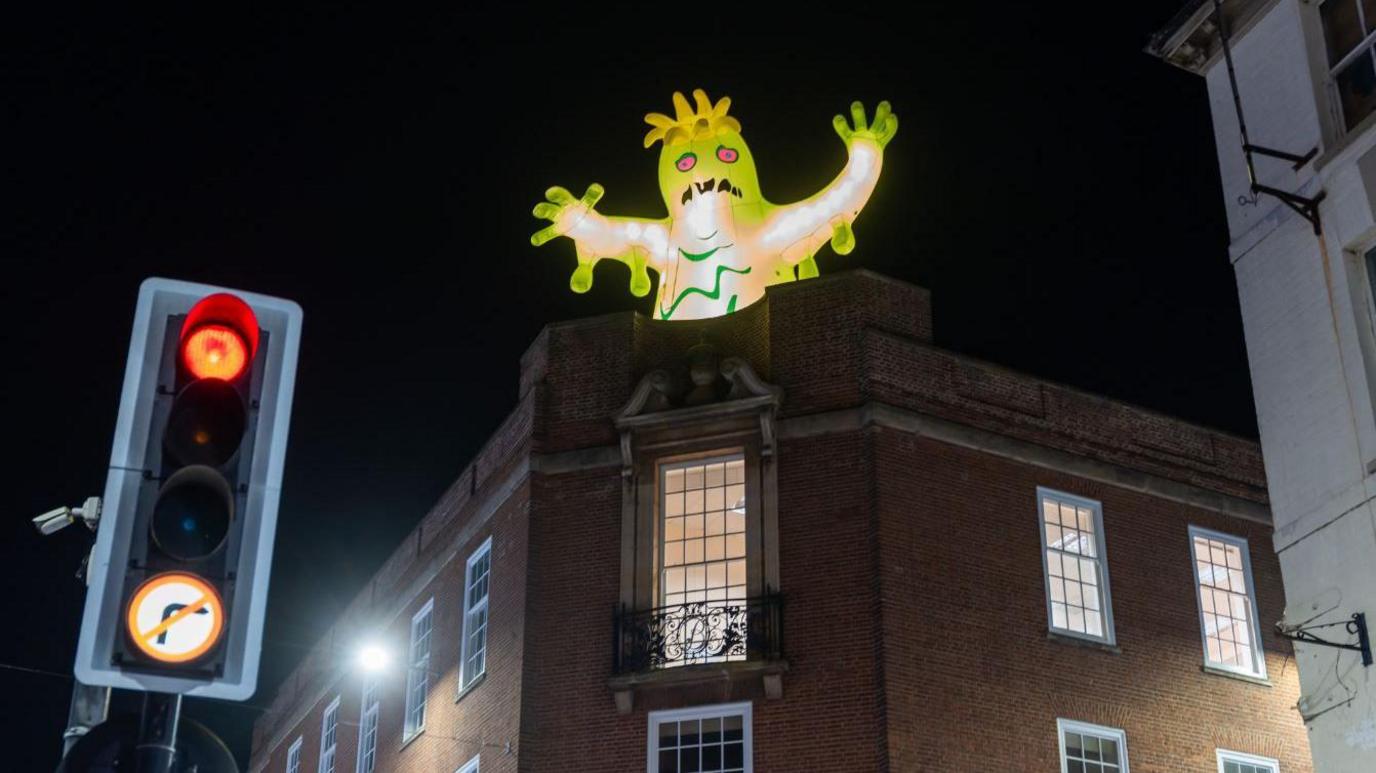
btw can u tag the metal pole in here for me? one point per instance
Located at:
(90, 705)
(157, 746)
(1232, 81)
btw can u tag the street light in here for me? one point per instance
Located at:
(373, 658)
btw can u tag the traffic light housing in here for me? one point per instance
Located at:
(179, 574)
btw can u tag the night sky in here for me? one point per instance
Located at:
(1054, 187)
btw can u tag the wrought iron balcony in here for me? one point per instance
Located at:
(699, 632)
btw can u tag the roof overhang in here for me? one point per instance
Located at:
(1190, 40)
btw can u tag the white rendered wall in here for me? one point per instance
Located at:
(1311, 347)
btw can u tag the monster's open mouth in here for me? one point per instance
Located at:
(707, 186)
(700, 256)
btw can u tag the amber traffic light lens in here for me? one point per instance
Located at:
(192, 514)
(206, 425)
(215, 351)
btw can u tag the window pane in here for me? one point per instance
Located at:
(1342, 30)
(1357, 90)
(1225, 603)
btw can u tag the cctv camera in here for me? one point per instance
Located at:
(54, 521)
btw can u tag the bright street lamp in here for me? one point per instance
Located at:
(372, 658)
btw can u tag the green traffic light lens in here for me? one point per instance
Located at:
(192, 514)
(206, 425)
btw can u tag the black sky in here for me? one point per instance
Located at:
(1054, 187)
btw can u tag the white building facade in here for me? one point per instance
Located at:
(1306, 80)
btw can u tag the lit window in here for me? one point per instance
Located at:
(709, 739)
(474, 663)
(469, 767)
(1076, 571)
(1089, 748)
(702, 552)
(329, 727)
(1227, 612)
(1238, 762)
(294, 756)
(418, 672)
(367, 728)
(1349, 30)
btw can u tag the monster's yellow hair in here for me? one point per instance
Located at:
(688, 124)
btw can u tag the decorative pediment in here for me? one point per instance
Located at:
(700, 389)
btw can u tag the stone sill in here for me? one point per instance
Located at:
(624, 686)
(473, 685)
(1257, 680)
(407, 740)
(1063, 638)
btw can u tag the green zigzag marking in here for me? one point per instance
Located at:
(714, 294)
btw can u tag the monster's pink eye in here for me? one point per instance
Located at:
(727, 155)
(686, 162)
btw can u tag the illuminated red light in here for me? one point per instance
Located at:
(219, 337)
(215, 351)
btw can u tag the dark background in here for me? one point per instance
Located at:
(1054, 187)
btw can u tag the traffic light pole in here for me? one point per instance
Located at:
(157, 745)
(90, 706)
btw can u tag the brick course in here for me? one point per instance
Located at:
(914, 618)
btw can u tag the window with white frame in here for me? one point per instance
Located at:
(474, 662)
(1349, 31)
(418, 671)
(1227, 608)
(702, 553)
(705, 739)
(367, 727)
(469, 767)
(1087, 748)
(329, 736)
(1077, 590)
(294, 756)
(1239, 762)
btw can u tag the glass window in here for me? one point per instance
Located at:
(329, 727)
(1076, 571)
(1227, 611)
(1348, 27)
(294, 756)
(702, 557)
(476, 576)
(418, 671)
(367, 727)
(469, 767)
(707, 739)
(1239, 762)
(1087, 748)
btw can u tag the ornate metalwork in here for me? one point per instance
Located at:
(699, 632)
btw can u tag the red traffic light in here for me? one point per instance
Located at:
(219, 337)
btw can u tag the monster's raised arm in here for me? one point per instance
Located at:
(797, 231)
(637, 242)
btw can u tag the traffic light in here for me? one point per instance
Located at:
(179, 575)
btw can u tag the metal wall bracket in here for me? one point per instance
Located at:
(1306, 206)
(1356, 625)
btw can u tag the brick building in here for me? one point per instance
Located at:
(802, 538)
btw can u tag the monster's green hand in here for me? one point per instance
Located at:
(879, 133)
(562, 209)
(637, 243)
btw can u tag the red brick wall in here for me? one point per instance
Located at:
(969, 667)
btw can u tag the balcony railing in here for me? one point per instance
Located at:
(699, 632)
